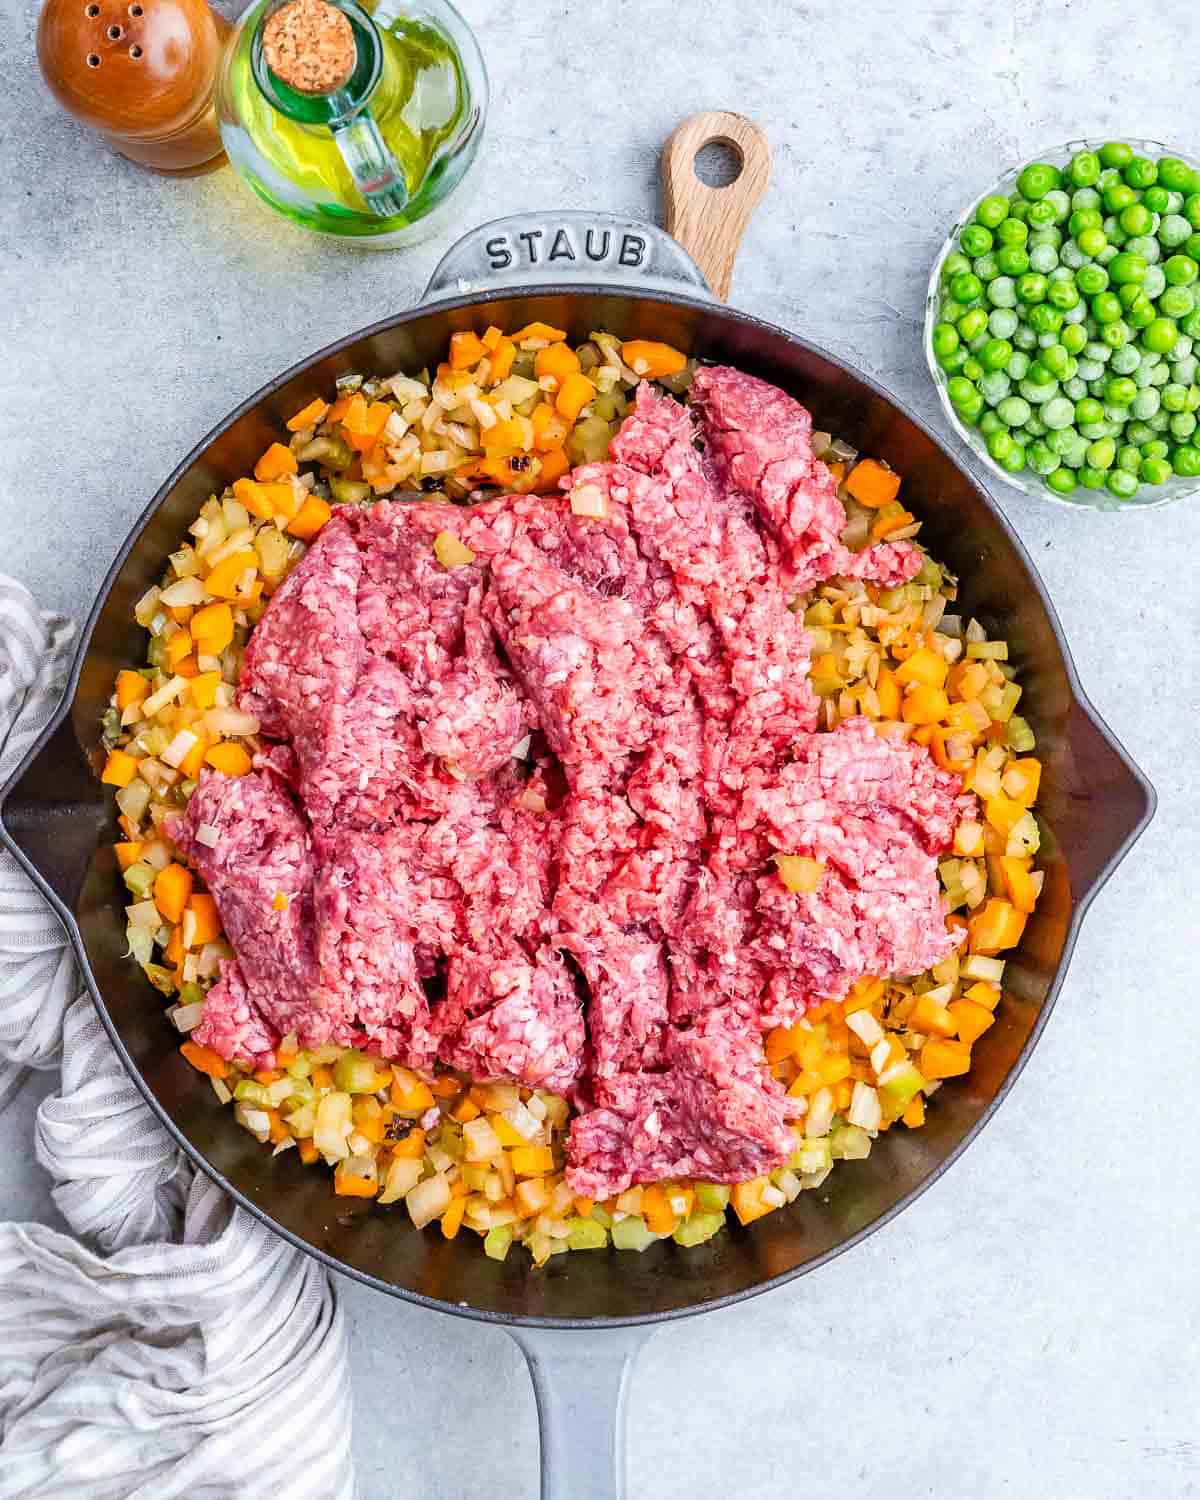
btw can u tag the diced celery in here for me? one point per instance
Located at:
(300, 1067)
(601, 1216)
(302, 1121)
(586, 1234)
(191, 994)
(632, 1234)
(162, 979)
(497, 1241)
(588, 441)
(849, 1143)
(348, 491)
(987, 650)
(713, 1197)
(249, 1092)
(698, 1228)
(899, 1088)
(134, 799)
(330, 451)
(141, 944)
(787, 1182)
(356, 1073)
(1019, 735)
(813, 1156)
(930, 575)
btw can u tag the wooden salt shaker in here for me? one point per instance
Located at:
(141, 72)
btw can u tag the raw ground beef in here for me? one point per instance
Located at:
(525, 809)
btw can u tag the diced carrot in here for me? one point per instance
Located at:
(177, 647)
(984, 993)
(660, 1217)
(466, 350)
(340, 407)
(416, 1096)
(119, 769)
(1029, 772)
(539, 331)
(373, 420)
(208, 921)
(1003, 813)
(557, 361)
(549, 429)
(128, 853)
(466, 1109)
(501, 471)
(504, 437)
(446, 1086)
(584, 1206)
(308, 1152)
(173, 952)
(890, 521)
(942, 1058)
(530, 1196)
(502, 361)
(573, 395)
(181, 613)
(453, 1217)
(172, 887)
(224, 579)
(322, 1076)
(929, 1016)
(491, 338)
(971, 1020)
(277, 1131)
(411, 1148)
(275, 463)
(132, 687)
(1018, 882)
(254, 497)
(838, 470)
(348, 1184)
(312, 515)
(531, 1161)
(555, 464)
(187, 667)
(203, 688)
(843, 1092)
(308, 416)
(863, 995)
(229, 758)
(924, 705)
(924, 665)
(914, 1115)
(205, 1060)
(194, 759)
(212, 628)
(997, 925)
(872, 484)
(746, 1199)
(650, 360)
(267, 1075)
(887, 690)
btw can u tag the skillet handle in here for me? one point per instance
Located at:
(52, 814)
(1111, 810)
(572, 248)
(581, 1382)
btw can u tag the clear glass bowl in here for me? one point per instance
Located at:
(1029, 483)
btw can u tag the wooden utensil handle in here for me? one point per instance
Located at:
(709, 221)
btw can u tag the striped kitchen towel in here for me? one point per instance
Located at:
(186, 1351)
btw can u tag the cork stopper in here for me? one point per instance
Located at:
(309, 45)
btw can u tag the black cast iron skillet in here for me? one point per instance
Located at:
(581, 1318)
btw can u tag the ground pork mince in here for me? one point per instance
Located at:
(519, 816)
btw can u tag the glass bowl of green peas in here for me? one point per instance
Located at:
(1062, 325)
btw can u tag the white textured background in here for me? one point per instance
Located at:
(1030, 1327)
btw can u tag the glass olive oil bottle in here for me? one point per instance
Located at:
(353, 120)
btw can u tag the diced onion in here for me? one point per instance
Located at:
(207, 835)
(865, 1110)
(186, 1017)
(143, 914)
(230, 721)
(589, 500)
(865, 1027)
(187, 591)
(177, 751)
(428, 1200)
(169, 691)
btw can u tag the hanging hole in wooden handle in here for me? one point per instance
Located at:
(715, 168)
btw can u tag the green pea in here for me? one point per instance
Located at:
(1140, 313)
(1061, 204)
(1141, 172)
(1039, 374)
(1120, 391)
(1112, 228)
(1058, 413)
(1012, 231)
(1125, 360)
(1126, 268)
(995, 354)
(966, 287)
(1037, 180)
(1174, 230)
(1025, 338)
(1161, 335)
(1013, 260)
(1182, 425)
(954, 265)
(1156, 279)
(1002, 323)
(1044, 319)
(1084, 218)
(1192, 247)
(1014, 461)
(1073, 338)
(1157, 199)
(961, 391)
(1014, 410)
(1174, 396)
(1102, 453)
(972, 323)
(1002, 292)
(1155, 470)
(1091, 241)
(1091, 479)
(945, 339)
(1175, 174)
(972, 369)
(1035, 428)
(976, 240)
(1115, 334)
(1042, 458)
(1088, 410)
(1062, 294)
(1145, 403)
(1106, 307)
(951, 310)
(1091, 280)
(1084, 168)
(990, 423)
(992, 210)
(1057, 360)
(1043, 258)
(952, 363)
(1000, 444)
(1018, 365)
(1177, 301)
(1128, 458)
(1186, 461)
(1156, 448)
(985, 267)
(1041, 215)
(1191, 210)
(1120, 195)
(971, 413)
(1136, 219)
(1061, 480)
(1122, 484)
(994, 385)
(1191, 325)
(1046, 234)
(1115, 154)
(1035, 392)
(1085, 197)
(1031, 288)
(1180, 270)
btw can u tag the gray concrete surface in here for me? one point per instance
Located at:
(1030, 1328)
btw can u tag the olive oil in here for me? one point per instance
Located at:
(374, 154)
